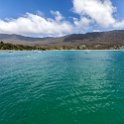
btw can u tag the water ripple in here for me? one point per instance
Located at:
(62, 87)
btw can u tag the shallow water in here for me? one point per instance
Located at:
(62, 87)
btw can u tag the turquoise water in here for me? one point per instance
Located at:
(62, 87)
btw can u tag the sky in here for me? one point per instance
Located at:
(55, 18)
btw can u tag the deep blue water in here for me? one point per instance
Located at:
(62, 87)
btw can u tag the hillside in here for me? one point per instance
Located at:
(95, 40)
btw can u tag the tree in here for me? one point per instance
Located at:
(1, 43)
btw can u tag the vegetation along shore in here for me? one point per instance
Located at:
(112, 40)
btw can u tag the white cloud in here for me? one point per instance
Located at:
(82, 24)
(36, 25)
(100, 11)
(119, 24)
(58, 16)
(92, 13)
(96, 30)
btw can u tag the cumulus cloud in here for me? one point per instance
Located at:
(100, 11)
(58, 16)
(82, 24)
(93, 15)
(119, 24)
(36, 25)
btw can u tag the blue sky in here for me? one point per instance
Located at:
(42, 18)
(15, 8)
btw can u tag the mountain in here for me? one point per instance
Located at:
(14, 37)
(95, 40)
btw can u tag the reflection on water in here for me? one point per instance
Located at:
(62, 87)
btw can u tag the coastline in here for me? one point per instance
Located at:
(87, 50)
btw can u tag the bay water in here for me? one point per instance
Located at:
(62, 87)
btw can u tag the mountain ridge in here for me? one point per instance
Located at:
(92, 40)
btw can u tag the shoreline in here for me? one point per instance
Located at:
(87, 50)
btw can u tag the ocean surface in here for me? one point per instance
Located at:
(62, 87)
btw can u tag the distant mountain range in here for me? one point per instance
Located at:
(95, 40)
